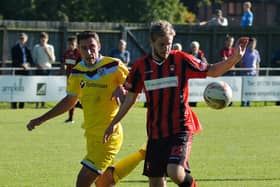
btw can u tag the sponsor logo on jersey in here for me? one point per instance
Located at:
(161, 83)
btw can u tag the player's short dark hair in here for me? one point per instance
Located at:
(44, 35)
(229, 37)
(251, 39)
(161, 28)
(88, 34)
(71, 38)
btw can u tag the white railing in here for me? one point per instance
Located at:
(13, 70)
(267, 70)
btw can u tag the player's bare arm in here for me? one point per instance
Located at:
(119, 94)
(130, 99)
(220, 68)
(64, 105)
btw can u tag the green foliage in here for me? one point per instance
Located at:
(95, 10)
(171, 10)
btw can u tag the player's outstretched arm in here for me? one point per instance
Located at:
(130, 99)
(64, 105)
(218, 69)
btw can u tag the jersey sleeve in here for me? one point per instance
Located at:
(123, 72)
(222, 53)
(73, 85)
(196, 68)
(134, 82)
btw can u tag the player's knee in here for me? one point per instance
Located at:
(106, 179)
(157, 181)
(188, 181)
(176, 173)
(86, 178)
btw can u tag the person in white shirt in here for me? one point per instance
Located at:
(217, 20)
(43, 55)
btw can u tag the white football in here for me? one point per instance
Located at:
(217, 94)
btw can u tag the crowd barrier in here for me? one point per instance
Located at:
(52, 88)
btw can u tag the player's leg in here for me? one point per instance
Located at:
(99, 156)
(177, 168)
(157, 182)
(70, 115)
(156, 162)
(121, 168)
(106, 179)
(79, 105)
(180, 176)
(86, 177)
(21, 105)
(124, 166)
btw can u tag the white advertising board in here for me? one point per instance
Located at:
(197, 86)
(261, 88)
(52, 88)
(32, 88)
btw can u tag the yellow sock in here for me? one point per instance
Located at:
(125, 166)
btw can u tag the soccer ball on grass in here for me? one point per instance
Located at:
(217, 95)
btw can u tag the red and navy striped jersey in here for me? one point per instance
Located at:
(71, 58)
(166, 90)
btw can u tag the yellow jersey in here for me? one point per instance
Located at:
(94, 86)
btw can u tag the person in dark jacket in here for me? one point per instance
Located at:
(21, 57)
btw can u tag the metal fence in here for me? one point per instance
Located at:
(137, 35)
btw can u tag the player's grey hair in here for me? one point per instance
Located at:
(23, 34)
(195, 43)
(248, 3)
(177, 46)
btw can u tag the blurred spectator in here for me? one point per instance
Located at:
(71, 57)
(248, 16)
(251, 59)
(198, 53)
(216, 20)
(177, 46)
(226, 52)
(121, 53)
(275, 62)
(43, 56)
(21, 57)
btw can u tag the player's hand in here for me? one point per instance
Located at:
(108, 133)
(33, 123)
(241, 45)
(25, 66)
(119, 94)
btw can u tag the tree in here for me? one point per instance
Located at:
(16, 9)
(193, 5)
(131, 11)
(95, 10)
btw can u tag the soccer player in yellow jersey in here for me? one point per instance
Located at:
(97, 82)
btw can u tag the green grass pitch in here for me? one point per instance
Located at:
(239, 147)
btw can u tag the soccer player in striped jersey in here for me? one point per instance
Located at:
(171, 124)
(70, 58)
(96, 82)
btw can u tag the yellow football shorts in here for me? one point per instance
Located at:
(100, 156)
